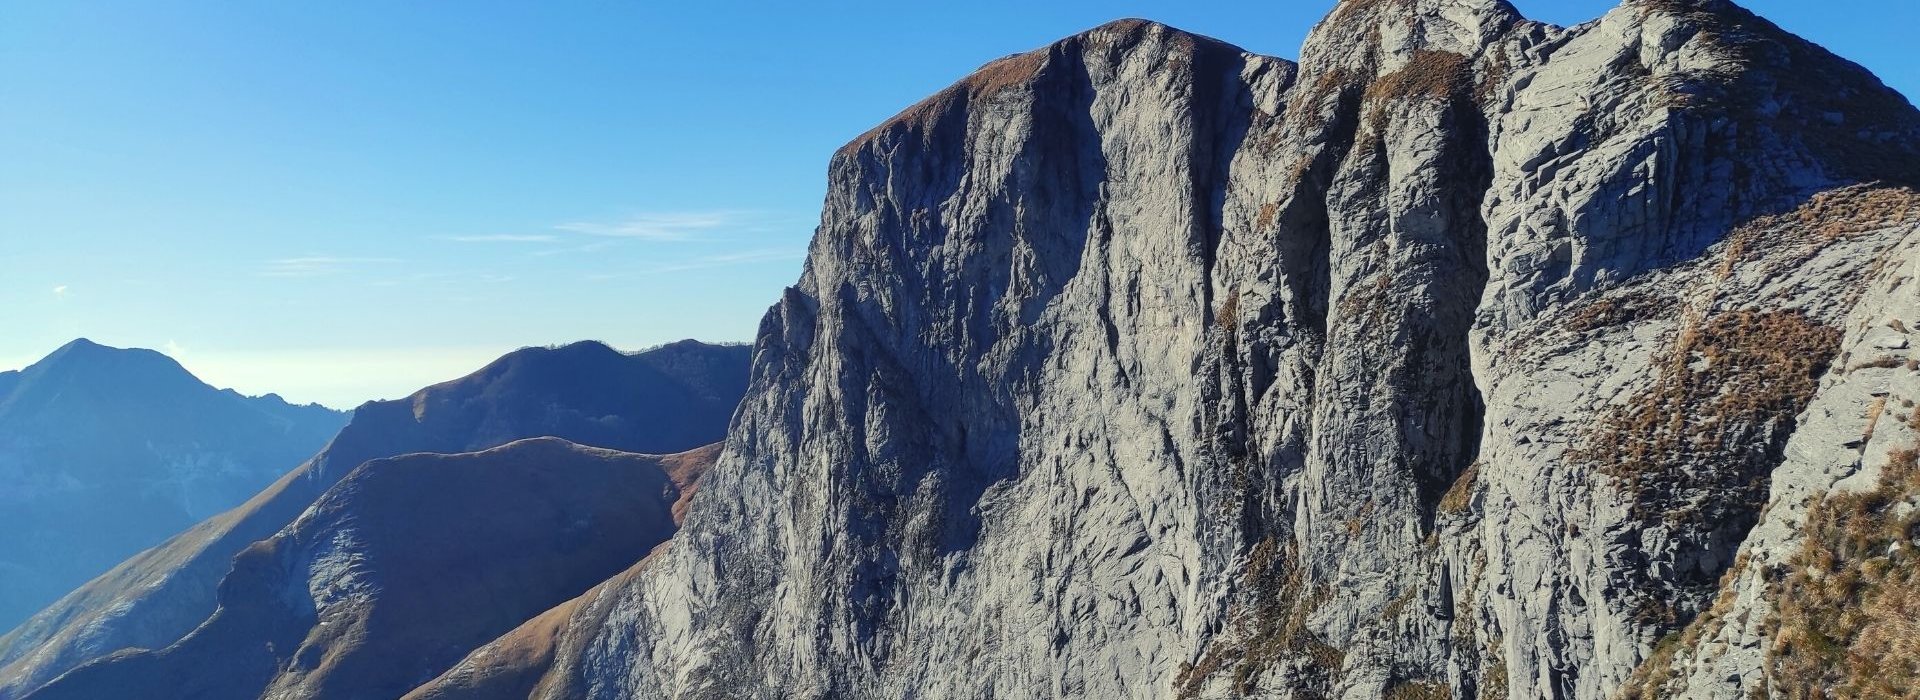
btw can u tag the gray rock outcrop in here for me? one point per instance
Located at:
(1457, 360)
(1468, 357)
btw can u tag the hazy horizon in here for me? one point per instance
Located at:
(344, 203)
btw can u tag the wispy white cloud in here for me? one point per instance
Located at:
(664, 226)
(441, 278)
(729, 259)
(504, 238)
(60, 291)
(316, 265)
(587, 248)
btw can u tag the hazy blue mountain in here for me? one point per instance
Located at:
(105, 452)
(662, 400)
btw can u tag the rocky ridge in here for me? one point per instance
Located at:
(1461, 359)
(403, 567)
(1467, 357)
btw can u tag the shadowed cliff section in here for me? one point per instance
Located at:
(663, 400)
(542, 656)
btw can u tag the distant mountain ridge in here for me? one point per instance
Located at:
(407, 564)
(663, 400)
(104, 451)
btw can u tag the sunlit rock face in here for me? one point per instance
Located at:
(1460, 359)
(1467, 357)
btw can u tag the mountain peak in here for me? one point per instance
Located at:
(1174, 48)
(85, 363)
(87, 348)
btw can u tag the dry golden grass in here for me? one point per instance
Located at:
(1460, 494)
(1309, 109)
(1418, 690)
(1493, 680)
(1762, 65)
(1228, 316)
(1619, 310)
(1264, 220)
(1826, 217)
(989, 80)
(1881, 362)
(1348, 9)
(1269, 628)
(1655, 677)
(1428, 75)
(1874, 411)
(1696, 448)
(1847, 620)
(1728, 387)
(1368, 304)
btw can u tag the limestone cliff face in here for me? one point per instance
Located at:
(1468, 357)
(1461, 359)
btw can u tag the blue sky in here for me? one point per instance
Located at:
(344, 201)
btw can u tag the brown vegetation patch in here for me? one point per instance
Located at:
(1851, 121)
(1368, 304)
(1727, 393)
(1428, 74)
(1696, 449)
(1268, 629)
(989, 80)
(1498, 66)
(1618, 310)
(1350, 8)
(1311, 108)
(1657, 677)
(1824, 218)
(1264, 219)
(1460, 494)
(1418, 690)
(1228, 316)
(1847, 619)
(1493, 680)
(1881, 362)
